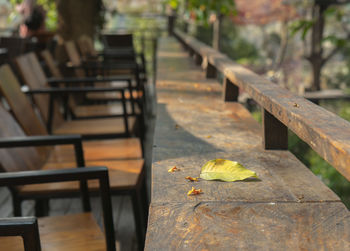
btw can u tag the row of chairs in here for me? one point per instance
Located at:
(53, 124)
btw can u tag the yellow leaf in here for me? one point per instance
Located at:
(173, 169)
(194, 191)
(191, 178)
(225, 170)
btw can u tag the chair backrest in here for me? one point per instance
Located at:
(14, 45)
(74, 57)
(34, 76)
(50, 62)
(19, 158)
(19, 103)
(86, 46)
(118, 40)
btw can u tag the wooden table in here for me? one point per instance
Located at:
(288, 209)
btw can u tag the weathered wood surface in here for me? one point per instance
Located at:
(325, 132)
(287, 209)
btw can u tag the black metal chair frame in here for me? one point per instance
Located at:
(28, 227)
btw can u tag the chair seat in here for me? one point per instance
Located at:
(100, 110)
(114, 149)
(123, 175)
(94, 126)
(111, 95)
(78, 232)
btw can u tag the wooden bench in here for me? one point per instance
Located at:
(288, 209)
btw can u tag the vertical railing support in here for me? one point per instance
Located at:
(275, 133)
(171, 24)
(230, 91)
(197, 59)
(210, 71)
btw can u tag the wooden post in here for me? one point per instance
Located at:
(186, 27)
(275, 133)
(230, 91)
(171, 24)
(210, 71)
(191, 52)
(217, 32)
(197, 59)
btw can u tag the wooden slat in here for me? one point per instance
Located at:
(325, 132)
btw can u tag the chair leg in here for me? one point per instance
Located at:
(145, 202)
(135, 197)
(16, 203)
(42, 207)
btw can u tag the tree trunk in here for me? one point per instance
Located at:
(76, 18)
(283, 46)
(316, 55)
(217, 26)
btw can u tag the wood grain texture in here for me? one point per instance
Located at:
(248, 226)
(287, 208)
(77, 232)
(325, 132)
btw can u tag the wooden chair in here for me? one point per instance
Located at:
(67, 232)
(126, 173)
(94, 109)
(35, 78)
(107, 68)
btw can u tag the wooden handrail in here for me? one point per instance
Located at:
(323, 131)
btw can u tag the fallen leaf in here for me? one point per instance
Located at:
(194, 191)
(296, 105)
(209, 136)
(173, 169)
(191, 178)
(177, 126)
(225, 170)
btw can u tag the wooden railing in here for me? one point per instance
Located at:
(325, 132)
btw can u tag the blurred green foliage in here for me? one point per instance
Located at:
(232, 44)
(50, 8)
(51, 13)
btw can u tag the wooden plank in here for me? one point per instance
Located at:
(248, 226)
(287, 208)
(325, 132)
